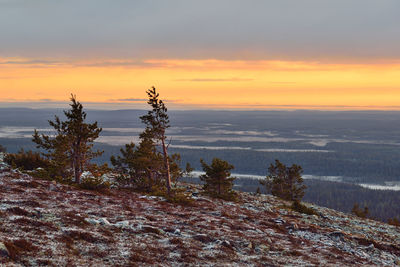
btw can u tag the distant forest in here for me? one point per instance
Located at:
(382, 204)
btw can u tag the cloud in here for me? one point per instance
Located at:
(130, 99)
(224, 29)
(122, 63)
(141, 100)
(215, 80)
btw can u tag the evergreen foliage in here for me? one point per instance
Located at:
(217, 179)
(394, 221)
(157, 122)
(145, 167)
(26, 160)
(71, 149)
(2, 149)
(285, 182)
(299, 207)
(362, 213)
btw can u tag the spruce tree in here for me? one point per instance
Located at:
(71, 149)
(217, 179)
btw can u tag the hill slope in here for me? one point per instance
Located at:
(43, 223)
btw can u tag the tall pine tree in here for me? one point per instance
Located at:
(157, 122)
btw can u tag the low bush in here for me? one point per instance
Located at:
(299, 207)
(359, 212)
(26, 160)
(394, 222)
(177, 196)
(94, 183)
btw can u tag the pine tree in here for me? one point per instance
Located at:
(140, 166)
(157, 122)
(144, 166)
(217, 179)
(285, 182)
(71, 150)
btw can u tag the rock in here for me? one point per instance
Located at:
(293, 226)
(226, 243)
(151, 229)
(279, 221)
(336, 235)
(203, 238)
(3, 250)
(53, 186)
(177, 232)
(92, 221)
(104, 221)
(250, 245)
(122, 224)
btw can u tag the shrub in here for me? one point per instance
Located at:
(2, 149)
(26, 160)
(176, 196)
(394, 222)
(93, 183)
(356, 210)
(299, 207)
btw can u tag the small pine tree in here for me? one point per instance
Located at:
(359, 212)
(2, 149)
(285, 182)
(140, 166)
(217, 179)
(71, 150)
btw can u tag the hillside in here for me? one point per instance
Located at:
(47, 224)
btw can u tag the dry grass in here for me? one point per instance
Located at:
(72, 218)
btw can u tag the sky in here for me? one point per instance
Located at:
(249, 54)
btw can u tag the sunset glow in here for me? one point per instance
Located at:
(206, 54)
(205, 83)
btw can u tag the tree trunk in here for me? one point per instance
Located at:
(166, 165)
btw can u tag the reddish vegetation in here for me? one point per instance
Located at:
(66, 226)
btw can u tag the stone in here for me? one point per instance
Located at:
(151, 229)
(104, 221)
(226, 243)
(203, 238)
(92, 221)
(279, 221)
(3, 250)
(122, 224)
(336, 235)
(177, 232)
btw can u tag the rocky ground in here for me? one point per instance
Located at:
(43, 223)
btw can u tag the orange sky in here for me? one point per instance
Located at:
(204, 83)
